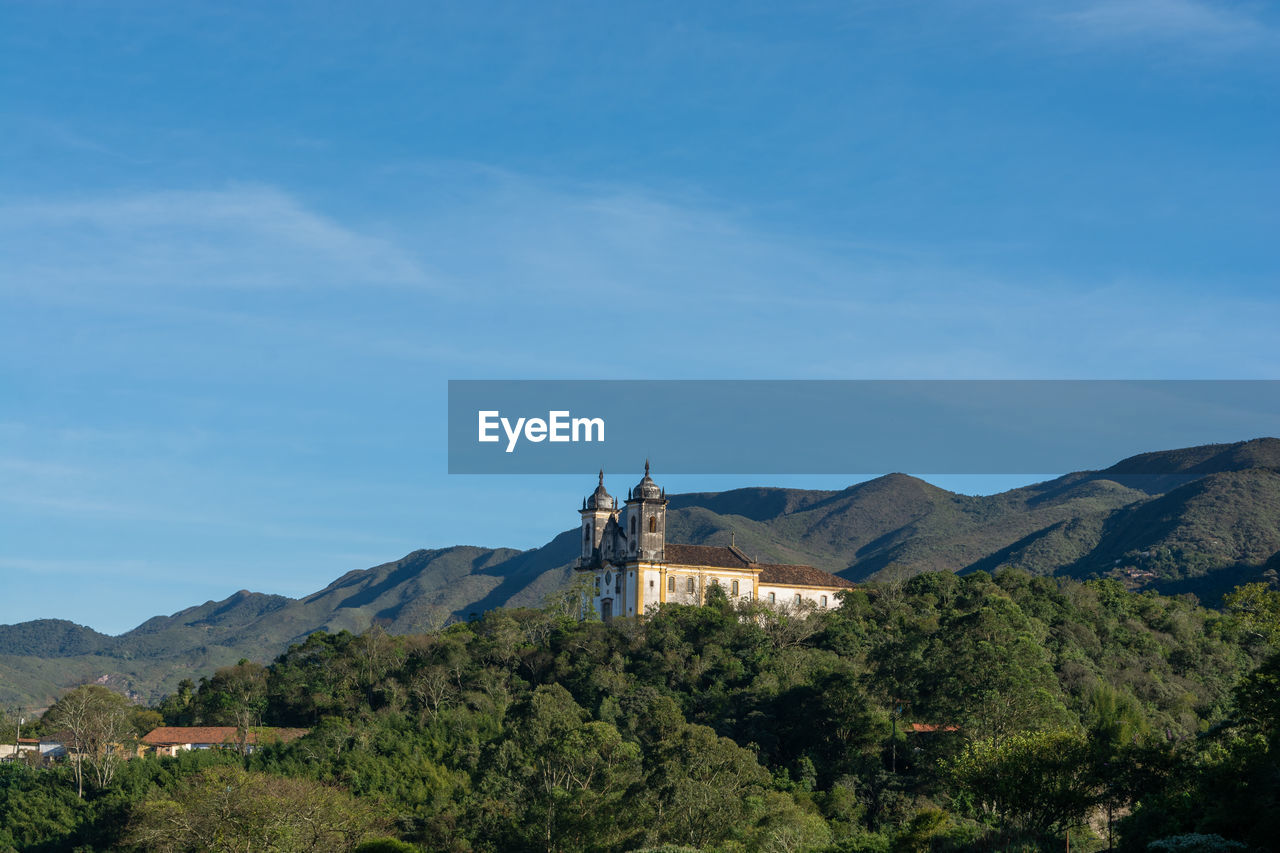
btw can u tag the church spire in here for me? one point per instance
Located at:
(600, 499)
(646, 489)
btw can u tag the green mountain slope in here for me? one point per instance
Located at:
(1199, 519)
(50, 638)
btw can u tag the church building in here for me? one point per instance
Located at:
(634, 568)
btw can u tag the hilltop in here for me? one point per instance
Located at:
(1200, 520)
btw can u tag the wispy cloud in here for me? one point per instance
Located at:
(528, 270)
(713, 292)
(1191, 23)
(180, 428)
(65, 135)
(86, 568)
(241, 237)
(96, 491)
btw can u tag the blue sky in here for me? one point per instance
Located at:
(243, 247)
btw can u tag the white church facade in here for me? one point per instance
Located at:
(634, 568)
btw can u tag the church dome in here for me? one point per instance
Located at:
(600, 498)
(646, 489)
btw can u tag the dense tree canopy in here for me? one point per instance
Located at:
(935, 713)
(226, 809)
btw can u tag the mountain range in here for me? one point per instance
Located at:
(1199, 520)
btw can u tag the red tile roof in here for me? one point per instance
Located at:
(716, 556)
(181, 735)
(928, 728)
(722, 557)
(781, 575)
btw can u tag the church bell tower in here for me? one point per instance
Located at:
(645, 520)
(597, 511)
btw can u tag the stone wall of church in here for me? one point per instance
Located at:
(793, 596)
(635, 589)
(689, 584)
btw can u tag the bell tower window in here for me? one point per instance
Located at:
(653, 524)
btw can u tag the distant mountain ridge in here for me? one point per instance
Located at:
(1199, 519)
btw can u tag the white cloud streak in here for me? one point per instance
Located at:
(524, 272)
(241, 237)
(1197, 24)
(213, 331)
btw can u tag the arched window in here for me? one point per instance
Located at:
(773, 598)
(734, 587)
(586, 535)
(653, 524)
(824, 601)
(633, 525)
(797, 598)
(689, 585)
(617, 583)
(671, 584)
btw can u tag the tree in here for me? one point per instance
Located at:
(235, 696)
(375, 653)
(786, 625)
(1255, 609)
(702, 786)
(1258, 700)
(832, 719)
(97, 725)
(1035, 780)
(564, 776)
(176, 708)
(230, 809)
(144, 720)
(311, 680)
(8, 728)
(571, 602)
(989, 672)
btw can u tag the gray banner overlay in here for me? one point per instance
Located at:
(857, 427)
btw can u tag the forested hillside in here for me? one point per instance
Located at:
(1200, 520)
(941, 713)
